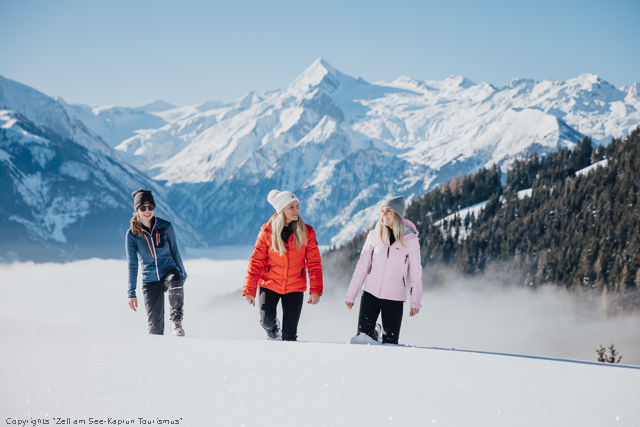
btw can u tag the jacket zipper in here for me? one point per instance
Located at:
(154, 253)
(384, 273)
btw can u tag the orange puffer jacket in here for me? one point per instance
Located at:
(284, 274)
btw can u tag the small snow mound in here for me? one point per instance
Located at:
(522, 194)
(363, 339)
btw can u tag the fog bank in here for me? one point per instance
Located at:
(462, 313)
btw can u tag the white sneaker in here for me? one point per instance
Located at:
(176, 329)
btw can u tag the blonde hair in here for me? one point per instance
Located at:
(136, 225)
(299, 233)
(398, 229)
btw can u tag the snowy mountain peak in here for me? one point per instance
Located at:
(458, 81)
(407, 83)
(631, 90)
(157, 106)
(343, 144)
(592, 82)
(319, 74)
(513, 83)
(245, 101)
(588, 78)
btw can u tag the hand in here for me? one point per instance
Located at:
(133, 303)
(348, 304)
(413, 312)
(314, 298)
(250, 299)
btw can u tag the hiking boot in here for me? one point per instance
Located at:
(176, 329)
(377, 334)
(275, 334)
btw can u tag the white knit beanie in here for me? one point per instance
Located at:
(280, 199)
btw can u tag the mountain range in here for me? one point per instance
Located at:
(342, 144)
(65, 193)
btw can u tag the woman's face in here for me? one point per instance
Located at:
(388, 215)
(147, 214)
(291, 212)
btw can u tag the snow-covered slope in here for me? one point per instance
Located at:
(115, 124)
(53, 372)
(62, 186)
(343, 144)
(150, 147)
(90, 356)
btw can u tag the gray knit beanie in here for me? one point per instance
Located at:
(397, 204)
(280, 199)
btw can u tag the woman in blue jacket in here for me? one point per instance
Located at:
(152, 242)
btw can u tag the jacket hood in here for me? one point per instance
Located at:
(409, 227)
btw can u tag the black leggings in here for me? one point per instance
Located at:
(291, 308)
(370, 308)
(154, 300)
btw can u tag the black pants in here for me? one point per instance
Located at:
(370, 308)
(154, 300)
(291, 309)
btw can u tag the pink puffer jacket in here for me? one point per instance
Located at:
(387, 277)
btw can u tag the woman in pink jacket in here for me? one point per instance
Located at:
(390, 250)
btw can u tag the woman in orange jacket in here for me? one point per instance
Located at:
(285, 249)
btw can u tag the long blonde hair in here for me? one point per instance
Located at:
(136, 224)
(299, 233)
(398, 229)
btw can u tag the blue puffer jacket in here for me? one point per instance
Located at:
(157, 253)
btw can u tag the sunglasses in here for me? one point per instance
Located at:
(144, 208)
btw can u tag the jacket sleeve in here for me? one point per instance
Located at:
(256, 265)
(362, 268)
(132, 261)
(175, 252)
(314, 263)
(415, 268)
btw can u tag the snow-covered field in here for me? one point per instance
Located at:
(72, 348)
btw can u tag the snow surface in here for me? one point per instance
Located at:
(466, 314)
(463, 213)
(524, 193)
(72, 348)
(52, 371)
(585, 171)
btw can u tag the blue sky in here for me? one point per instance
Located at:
(133, 52)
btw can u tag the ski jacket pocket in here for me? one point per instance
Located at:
(158, 237)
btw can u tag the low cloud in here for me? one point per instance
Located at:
(482, 314)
